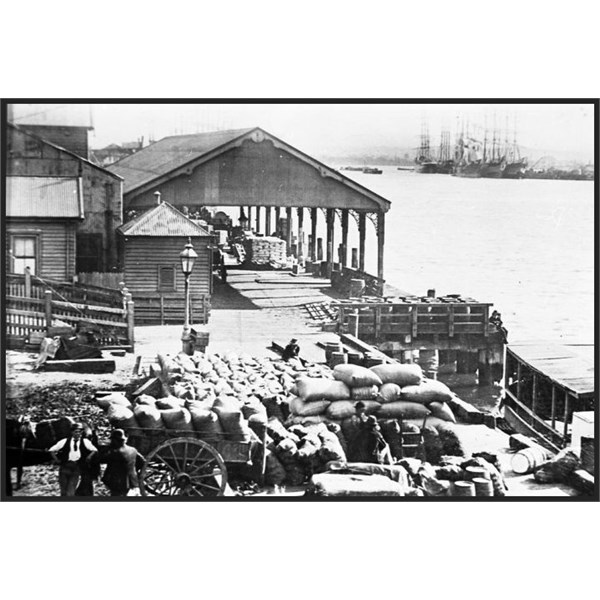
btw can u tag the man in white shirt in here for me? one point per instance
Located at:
(71, 453)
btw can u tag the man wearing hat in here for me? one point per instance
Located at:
(123, 464)
(291, 350)
(72, 454)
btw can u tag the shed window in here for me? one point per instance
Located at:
(166, 278)
(24, 253)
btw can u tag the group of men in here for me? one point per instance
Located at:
(79, 460)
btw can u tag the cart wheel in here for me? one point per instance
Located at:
(183, 467)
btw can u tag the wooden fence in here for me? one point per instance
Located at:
(34, 305)
(390, 320)
(170, 308)
(104, 280)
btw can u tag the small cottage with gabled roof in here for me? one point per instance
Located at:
(149, 248)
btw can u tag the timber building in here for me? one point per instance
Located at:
(267, 179)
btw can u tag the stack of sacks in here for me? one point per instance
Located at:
(315, 396)
(119, 411)
(363, 385)
(406, 394)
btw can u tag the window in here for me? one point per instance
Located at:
(166, 278)
(24, 253)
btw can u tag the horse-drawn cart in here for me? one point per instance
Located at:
(185, 463)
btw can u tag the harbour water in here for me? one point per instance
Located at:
(527, 246)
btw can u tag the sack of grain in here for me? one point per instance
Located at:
(148, 416)
(340, 410)
(369, 392)
(226, 403)
(177, 419)
(356, 376)
(441, 410)
(203, 404)
(330, 448)
(207, 424)
(145, 400)
(169, 402)
(429, 390)
(310, 389)
(186, 362)
(253, 406)
(308, 447)
(183, 390)
(400, 374)
(402, 409)
(558, 468)
(389, 392)
(121, 417)
(451, 442)
(337, 430)
(116, 397)
(278, 432)
(286, 450)
(310, 420)
(233, 423)
(307, 409)
(450, 473)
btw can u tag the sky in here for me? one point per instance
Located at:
(563, 130)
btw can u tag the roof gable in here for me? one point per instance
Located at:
(164, 220)
(44, 197)
(178, 154)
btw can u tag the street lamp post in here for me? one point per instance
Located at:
(187, 257)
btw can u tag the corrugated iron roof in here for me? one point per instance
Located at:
(43, 197)
(162, 220)
(169, 153)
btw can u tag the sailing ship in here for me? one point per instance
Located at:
(425, 163)
(445, 159)
(467, 157)
(493, 158)
(515, 163)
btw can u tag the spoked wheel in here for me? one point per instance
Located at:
(183, 467)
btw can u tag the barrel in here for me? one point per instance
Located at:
(528, 460)
(337, 358)
(475, 471)
(483, 486)
(462, 488)
(331, 347)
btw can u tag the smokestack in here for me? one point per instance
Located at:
(157, 196)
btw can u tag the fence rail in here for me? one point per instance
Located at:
(34, 305)
(169, 308)
(388, 319)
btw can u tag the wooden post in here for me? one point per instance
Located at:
(355, 258)
(267, 220)
(130, 322)
(249, 218)
(277, 211)
(451, 320)
(288, 240)
(380, 243)
(377, 322)
(553, 410)
(362, 230)
(300, 235)
(313, 233)
(330, 227)
(534, 393)
(27, 282)
(486, 321)
(258, 219)
(162, 309)
(319, 249)
(48, 308)
(344, 253)
(566, 426)
(414, 320)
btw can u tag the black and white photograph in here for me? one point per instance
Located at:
(318, 300)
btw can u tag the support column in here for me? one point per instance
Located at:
(258, 219)
(330, 225)
(288, 240)
(380, 243)
(277, 216)
(362, 229)
(344, 256)
(319, 249)
(354, 263)
(249, 218)
(313, 233)
(267, 220)
(300, 235)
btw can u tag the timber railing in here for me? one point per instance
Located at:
(34, 305)
(168, 308)
(388, 319)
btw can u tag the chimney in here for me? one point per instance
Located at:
(157, 196)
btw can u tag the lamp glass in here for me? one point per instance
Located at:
(188, 257)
